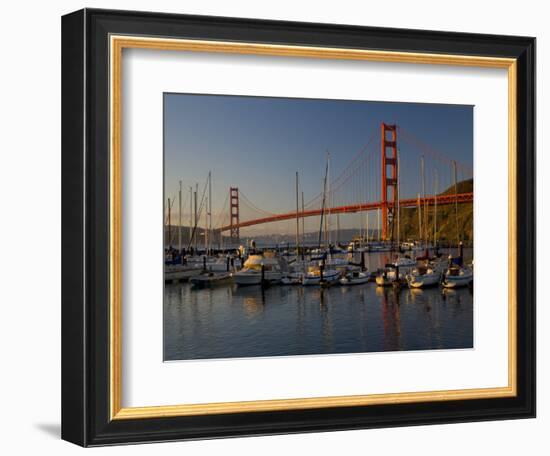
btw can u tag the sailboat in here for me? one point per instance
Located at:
(318, 274)
(267, 268)
(210, 279)
(429, 270)
(174, 268)
(355, 278)
(457, 275)
(186, 267)
(297, 267)
(423, 276)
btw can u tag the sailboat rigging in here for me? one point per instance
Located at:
(323, 206)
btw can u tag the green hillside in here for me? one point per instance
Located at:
(446, 220)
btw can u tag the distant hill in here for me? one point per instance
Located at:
(310, 238)
(446, 220)
(344, 236)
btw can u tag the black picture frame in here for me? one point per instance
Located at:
(85, 225)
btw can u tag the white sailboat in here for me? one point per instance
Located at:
(321, 274)
(424, 276)
(457, 276)
(257, 267)
(403, 265)
(296, 272)
(387, 276)
(318, 275)
(354, 278)
(209, 279)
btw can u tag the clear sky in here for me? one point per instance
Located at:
(258, 144)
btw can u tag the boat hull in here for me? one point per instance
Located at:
(328, 278)
(209, 280)
(457, 282)
(175, 274)
(248, 279)
(424, 281)
(463, 279)
(354, 280)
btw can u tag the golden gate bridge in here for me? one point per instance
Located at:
(370, 182)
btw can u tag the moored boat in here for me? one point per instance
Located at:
(457, 276)
(395, 272)
(386, 276)
(355, 278)
(423, 276)
(209, 279)
(256, 268)
(404, 263)
(318, 275)
(180, 272)
(339, 264)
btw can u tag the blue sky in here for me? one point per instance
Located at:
(258, 144)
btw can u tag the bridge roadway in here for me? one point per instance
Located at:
(352, 208)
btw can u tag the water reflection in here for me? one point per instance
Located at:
(252, 305)
(291, 320)
(390, 317)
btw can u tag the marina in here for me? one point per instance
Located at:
(227, 320)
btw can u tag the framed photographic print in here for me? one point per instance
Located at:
(278, 227)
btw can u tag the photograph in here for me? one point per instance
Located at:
(299, 227)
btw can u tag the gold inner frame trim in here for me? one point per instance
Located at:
(117, 44)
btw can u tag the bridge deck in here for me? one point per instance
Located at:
(352, 208)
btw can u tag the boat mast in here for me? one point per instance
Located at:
(424, 235)
(367, 227)
(303, 222)
(398, 205)
(206, 233)
(456, 203)
(220, 239)
(205, 237)
(435, 207)
(323, 206)
(169, 228)
(418, 208)
(179, 220)
(337, 240)
(361, 231)
(297, 218)
(195, 224)
(209, 210)
(327, 218)
(367, 214)
(190, 215)
(360, 226)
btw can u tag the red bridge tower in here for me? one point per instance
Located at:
(234, 215)
(389, 179)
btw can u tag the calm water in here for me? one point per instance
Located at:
(231, 322)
